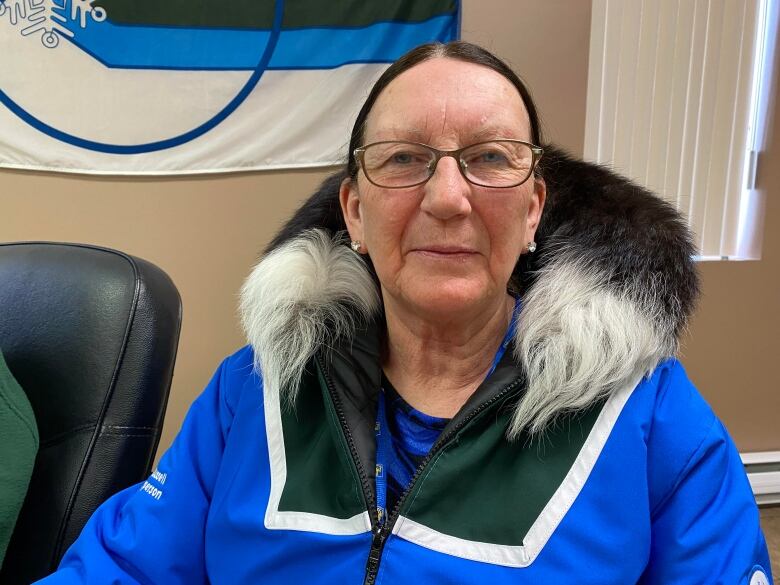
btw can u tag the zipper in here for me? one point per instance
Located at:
(374, 556)
(380, 536)
(368, 494)
(381, 533)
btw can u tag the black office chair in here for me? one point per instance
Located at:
(91, 335)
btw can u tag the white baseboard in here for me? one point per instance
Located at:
(763, 471)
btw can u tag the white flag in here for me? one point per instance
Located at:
(193, 86)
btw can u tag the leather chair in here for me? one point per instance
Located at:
(91, 336)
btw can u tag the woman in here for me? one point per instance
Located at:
(445, 400)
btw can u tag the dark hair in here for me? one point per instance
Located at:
(460, 50)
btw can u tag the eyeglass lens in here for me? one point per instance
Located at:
(491, 164)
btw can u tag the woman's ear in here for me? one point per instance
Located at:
(350, 208)
(535, 207)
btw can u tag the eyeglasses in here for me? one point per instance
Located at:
(397, 164)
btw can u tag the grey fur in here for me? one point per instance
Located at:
(578, 340)
(303, 294)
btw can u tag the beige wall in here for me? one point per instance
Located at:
(206, 232)
(547, 44)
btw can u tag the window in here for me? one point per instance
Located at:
(677, 96)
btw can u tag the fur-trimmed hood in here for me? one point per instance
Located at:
(605, 296)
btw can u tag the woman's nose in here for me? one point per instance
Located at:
(447, 191)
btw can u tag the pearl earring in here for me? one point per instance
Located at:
(531, 247)
(355, 245)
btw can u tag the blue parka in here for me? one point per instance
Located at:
(655, 493)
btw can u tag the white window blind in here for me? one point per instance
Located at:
(672, 97)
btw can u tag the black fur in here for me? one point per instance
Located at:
(593, 215)
(616, 225)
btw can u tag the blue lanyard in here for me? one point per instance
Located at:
(383, 446)
(510, 334)
(384, 441)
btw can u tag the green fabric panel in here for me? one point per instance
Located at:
(259, 15)
(321, 477)
(18, 447)
(483, 488)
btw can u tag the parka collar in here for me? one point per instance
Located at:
(605, 296)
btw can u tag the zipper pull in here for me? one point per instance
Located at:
(374, 556)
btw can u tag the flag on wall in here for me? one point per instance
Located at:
(188, 86)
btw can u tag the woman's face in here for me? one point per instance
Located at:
(447, 246)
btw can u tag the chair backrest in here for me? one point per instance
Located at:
(91, 335)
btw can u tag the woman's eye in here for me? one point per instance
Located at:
(407, 158)
(490, 157)
(401, 158)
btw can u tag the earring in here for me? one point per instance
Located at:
(531, 247)
(355, 245)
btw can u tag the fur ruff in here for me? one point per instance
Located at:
(605, 297)
(306, 293)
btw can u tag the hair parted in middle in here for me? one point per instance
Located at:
(459, 50)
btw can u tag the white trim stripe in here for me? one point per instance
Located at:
(485, 552)
(302, 521)
(550, 517)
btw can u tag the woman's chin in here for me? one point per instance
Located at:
(450, 298)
